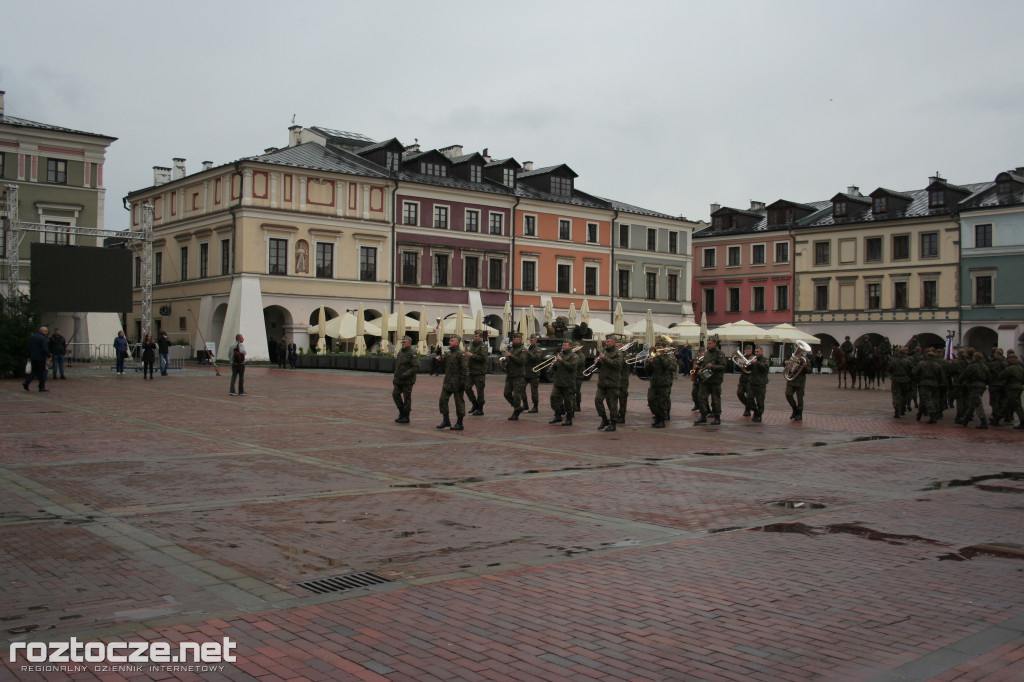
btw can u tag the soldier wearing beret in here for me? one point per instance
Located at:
(476, 354)
(515, 378)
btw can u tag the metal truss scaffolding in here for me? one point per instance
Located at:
(16, 231)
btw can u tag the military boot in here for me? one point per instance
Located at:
(404, 418)
(458, 425)
(568, 420)
(445, 423)
(622, 418)
(1019, 427)
(604, 424)
(703, 418)
(557, 419)
(982, 425)
(757, 417)
(799, 416)
(933, 418)
(746, 412)
(995, 420)
(534, 409)
(659, 423)
(717, 421)
(610, 427)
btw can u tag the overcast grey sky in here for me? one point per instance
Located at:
(667, 105)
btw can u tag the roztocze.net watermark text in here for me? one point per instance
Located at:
(140, 653)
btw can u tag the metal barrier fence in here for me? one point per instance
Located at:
(102, 353)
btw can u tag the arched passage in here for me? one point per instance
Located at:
(276, 321)
(981, 339)
(220, 313)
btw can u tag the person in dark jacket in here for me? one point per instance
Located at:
(148, 356)
(163, 347)
(1013, 382)
(515, 377)
(899, 371)
(476, 356)
(995, 387)
(120, 351)
(38, 354)
(531, 378)
(609, 367)
(758, 382)
(663, 369)
(930, 377)
(563, 384)
(282, 353)
(407, 364)
(58, 349)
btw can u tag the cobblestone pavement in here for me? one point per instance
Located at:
(848, 546)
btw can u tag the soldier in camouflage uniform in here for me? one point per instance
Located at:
(609, 366)
(743, 385)
(533, 358)
(899, 372)
(624, 373)
(663, 369)
(995, 387)
(758, 383)
(930, 377)
(407, 364)
(1013, 382)
(795, 388)
(456, 373)
(563, 384)
(477, 356)
(953, 369)
(710, 395)
(974, 380)
(915, 358)
(515, 377)
(581, 365)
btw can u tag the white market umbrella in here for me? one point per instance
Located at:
(344, 327)
(585, 313)
(742, 331)
(421, 345)
(600, 327)
(787, 332)
(703, 340)
(572, 314)
(549, 313)
(685, 332)
(618, 320)
(385, 330)
(360, 344)
(452, 325)
(531, 324)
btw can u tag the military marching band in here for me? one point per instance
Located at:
(920, 379)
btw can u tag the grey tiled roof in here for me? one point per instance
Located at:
(331, 132)
(317, 157)
(988, 197)
(25, 123)
(892, 192)
(379, 145)
(917, 208)
(636, 210)
(543, 171)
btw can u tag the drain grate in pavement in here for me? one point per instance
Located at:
(340, 583)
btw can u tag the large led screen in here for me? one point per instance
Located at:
(84, 279)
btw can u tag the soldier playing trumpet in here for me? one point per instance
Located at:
(709, 397)
(563, 387)
(477, 356)
(796, 382)
(758, 383)
(663, 369)
(609, 364)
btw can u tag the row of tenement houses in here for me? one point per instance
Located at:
(339, 220)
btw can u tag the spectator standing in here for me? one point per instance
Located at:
(293, 354)
(237, 354)
(121, 351)
(58, 349)
(163, 345)
(282, 353)
(38, 354)
(685, 357)
(148, 356)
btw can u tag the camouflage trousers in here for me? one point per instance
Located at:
(611, 397)
(515, 392)
(659, 399)
(563, 399)
(460, 403)
(475, 389)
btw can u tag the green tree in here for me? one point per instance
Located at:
(19, 319)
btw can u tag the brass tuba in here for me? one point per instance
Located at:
(797, 363)
(742, 362)
(695, 372)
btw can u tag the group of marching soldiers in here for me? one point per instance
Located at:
(934, 384)
(753, 382)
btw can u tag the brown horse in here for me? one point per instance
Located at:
(843, 367)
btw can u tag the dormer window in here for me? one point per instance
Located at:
(438, 169)
(839, 209)
(879, 205)
(1005, 187)
(936, 198)
(391, 160)
(476, 173)
(718, 221)
(561, 186)
(508, 177)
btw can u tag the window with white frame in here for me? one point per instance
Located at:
(982, 236)
(781, 297)
(734, 300)
(874, 296)
(591, 233)
(497, 222)
(471, 272)
(529, 226)
(476, 173)
(508, 177)
(496, 273)
(781, 252)
(441, 217)
(183, 271)
(437, 169)
(652, 239)
(929, 245)
(56, 172)
(472, 220)
(651, 285)
(757, 297)
(325, 261)
(591, 273)
(623, 236)
(673, 242)
(441, 269)
(757, 254)
(709, 300)
(367, 263)
(733, 255)
(561, 186)
(410, 267)
(984, 288)
(204, 259)
(62, 237)
(564, 278)
(709, 257)
(821, 297)
(529, 278)
(565, 230)
(277, 258)
(410, 213)
(624, 277)
(672, 287)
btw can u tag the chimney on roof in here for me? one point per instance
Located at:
(179, 169)
(412, 147)
(453, 151)
(854, 190)
(207, 165)
(161, 175)
(293, 135)
(527, 165)
(1019, 170)
(486, 153)
(756, 205)
(935, 178)
(1, 103)
(715, 207)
